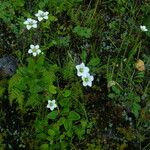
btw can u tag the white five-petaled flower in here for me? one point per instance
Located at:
(42, 15)
(87, 80)
(143, 28)
(82, 69)
(30, 23)
(51, 104)
(34, 49)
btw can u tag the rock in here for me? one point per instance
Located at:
(8, 66)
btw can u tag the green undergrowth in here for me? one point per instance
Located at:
(106, 37)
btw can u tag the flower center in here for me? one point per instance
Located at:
(86, 79)
(34, 50)
(81, 70)
(31, 23)
(51, 104)
(42, 15)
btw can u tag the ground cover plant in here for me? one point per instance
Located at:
(74, 75)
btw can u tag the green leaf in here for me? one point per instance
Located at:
(94, 61)
(84, 55)
(69, 133)
(111, 95)
(44, 147)
(61, 121)
(40, 61)
(66, 93)
(41, 136)
(64, 145)
(84, 123)
(116, 90)
(80, 132)
(17, 3)
(65, 110)
(52, 115)
(67, 124)
(135, 109)
(83, 31)
(51, 132)
(31, 65)
(52, 18)
(52, 89)
(65, 102)
(73, 116)
(2, 90)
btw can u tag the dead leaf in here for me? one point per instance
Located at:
(139, 65)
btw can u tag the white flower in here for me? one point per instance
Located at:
(87, 80)
(42, 15)
(34, 49)
(143, 28)
(30, 23)
(51, 104)
(82, 69)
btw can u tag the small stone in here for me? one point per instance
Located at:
(8, 66)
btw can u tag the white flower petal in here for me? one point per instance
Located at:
(86, 69)
(45, 17)
(89, 83)
(79, 74)
(37, 47)
(29, 19)
(53, 101)
(55, 106)
(46, 13)
(26, 22)
(49, 101)
(77, 67)
(40, 12)
(143, 28)
(37, 15)
(28, 26)
(52, 107)
(48, 106)
(38, 51)
(91, 78)
(84, 83)
(34, 21)
(30, 51)
(85, 75)
(34, 25)
(40, 18)
(34, 54)
(32, 46)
